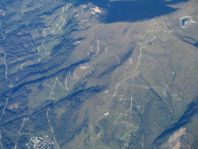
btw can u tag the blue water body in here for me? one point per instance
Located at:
(18, 42)
(133, 10)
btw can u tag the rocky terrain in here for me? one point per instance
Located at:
(98, 74)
